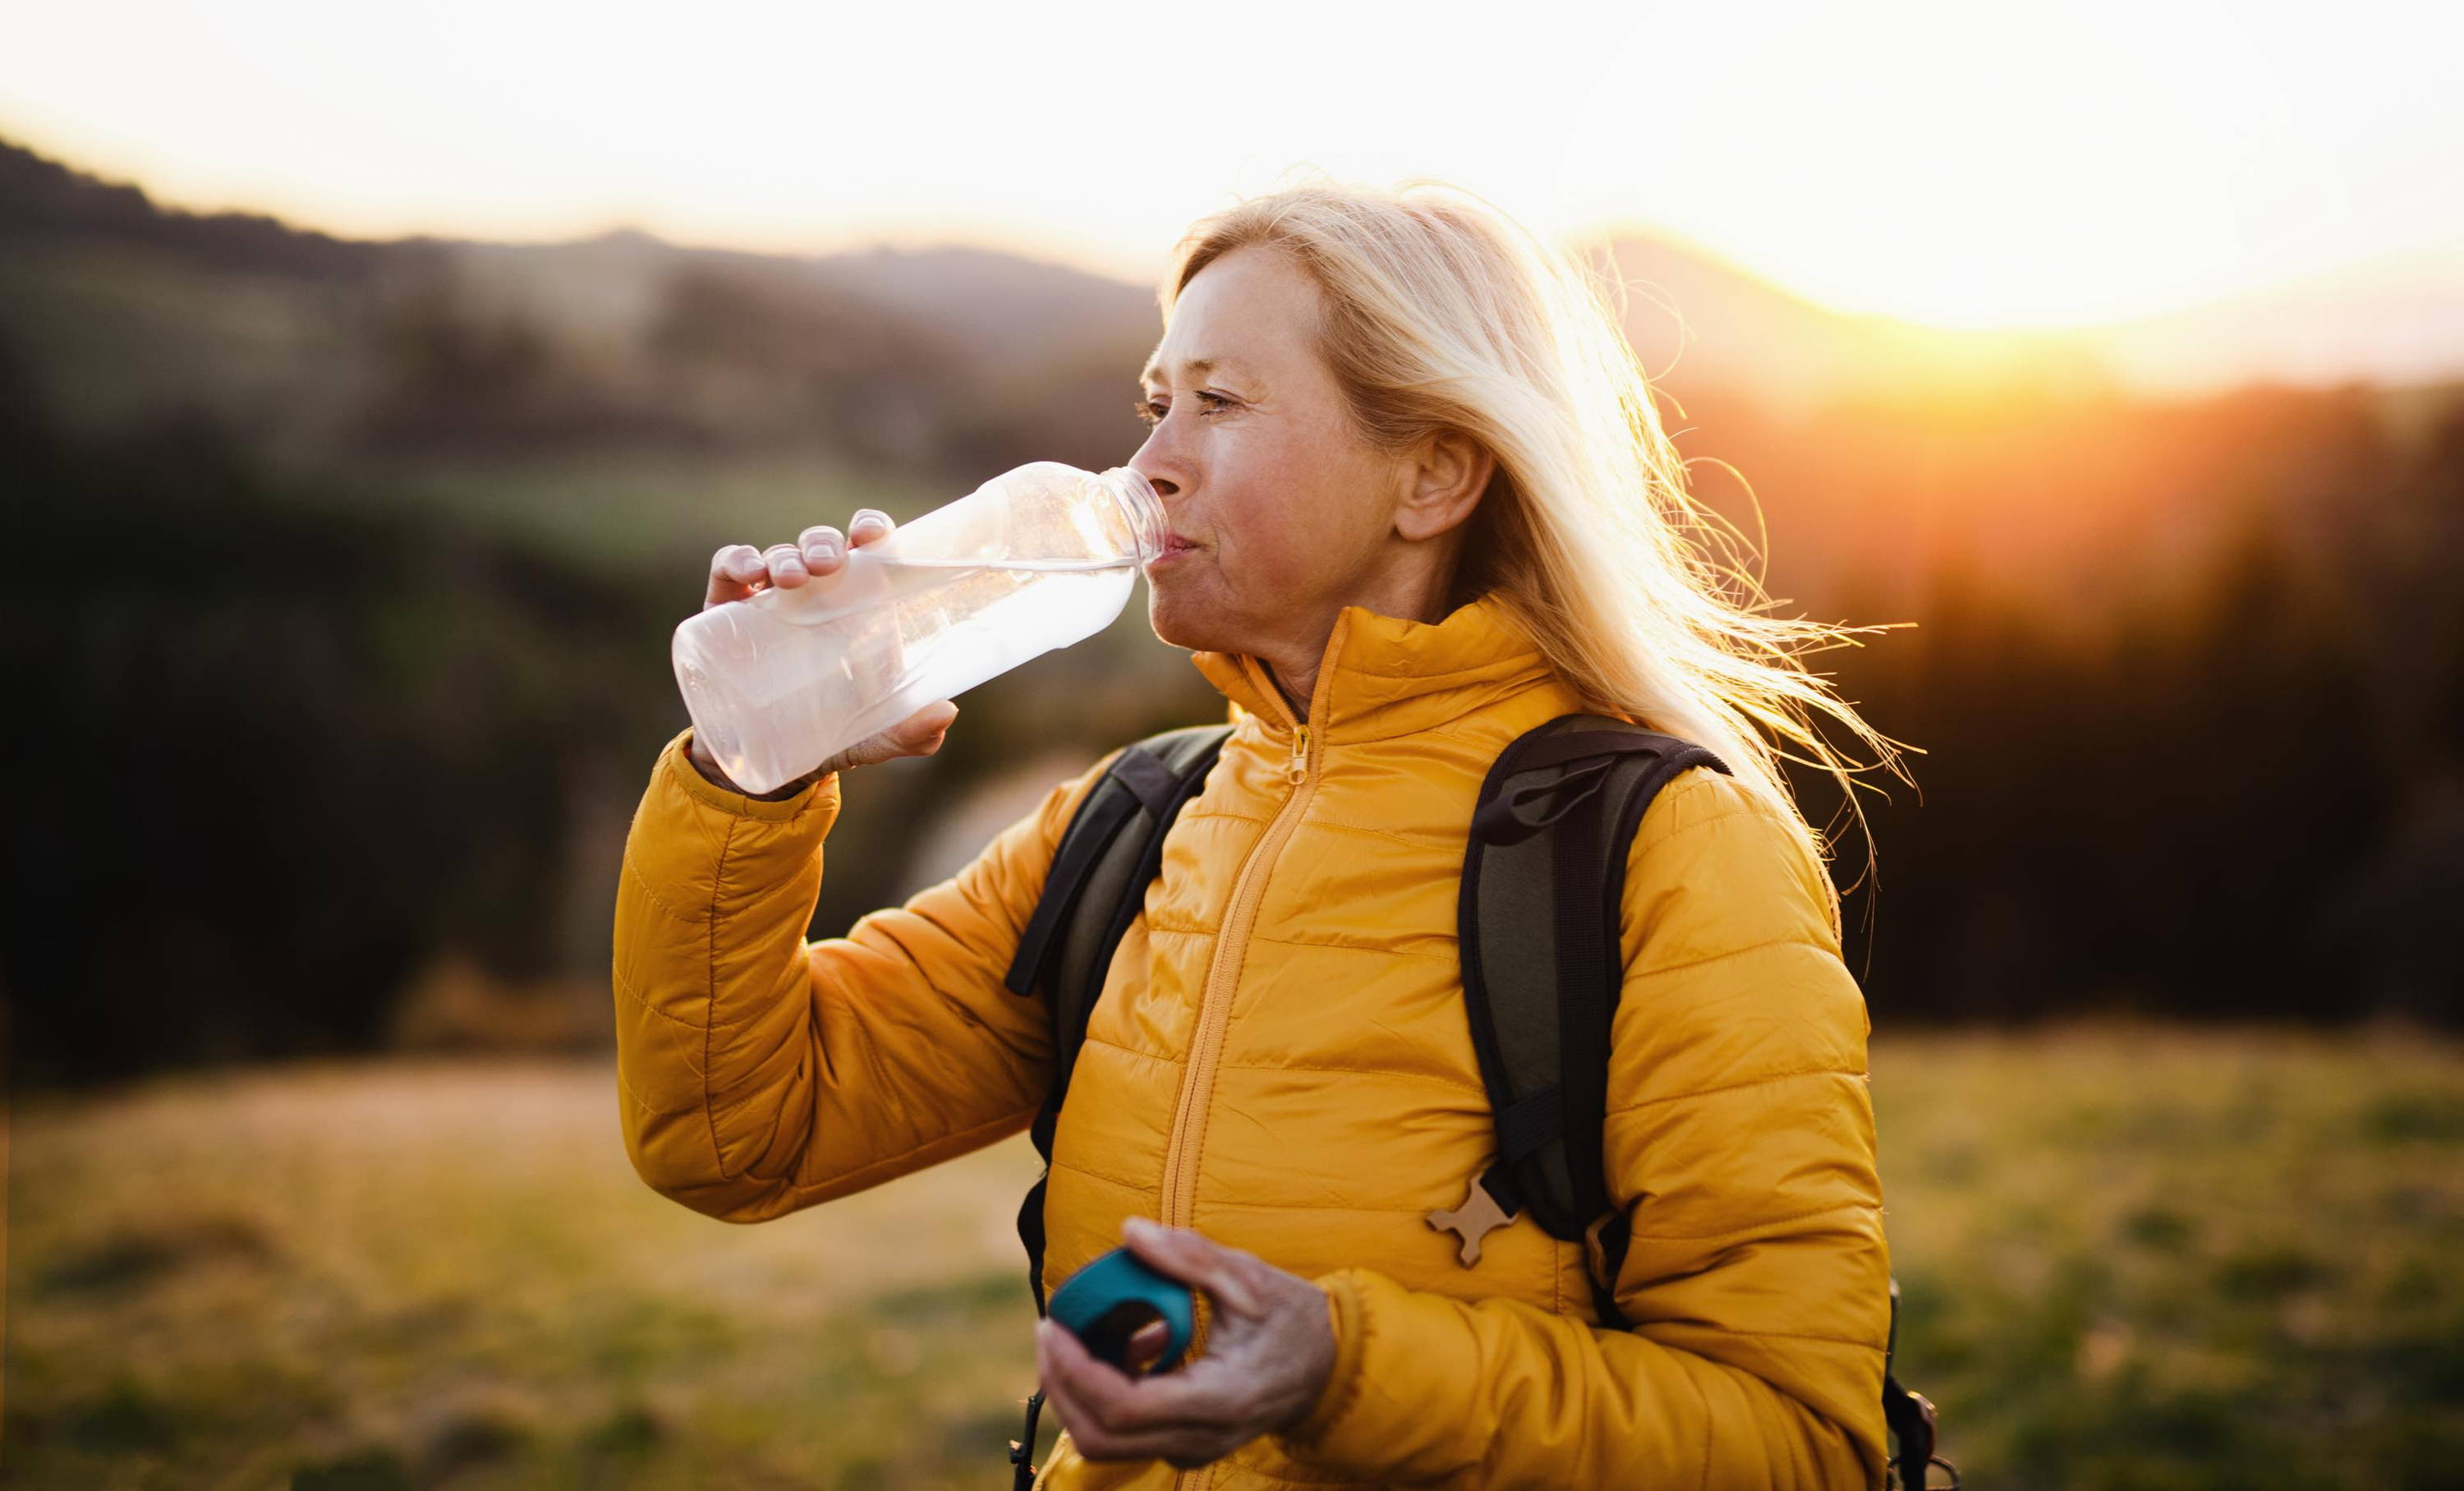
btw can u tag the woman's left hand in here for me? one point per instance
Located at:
(1270, 1351)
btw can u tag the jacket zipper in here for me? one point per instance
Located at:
(1224, 974)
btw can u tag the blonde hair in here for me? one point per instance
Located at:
(1441, 313)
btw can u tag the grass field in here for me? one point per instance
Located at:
(2132, 1259)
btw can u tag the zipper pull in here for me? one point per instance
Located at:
(1299, 769)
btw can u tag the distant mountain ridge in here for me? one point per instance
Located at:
(120, 310)
(1017, 327)
(1697, 323)
(1011, 309)
(43, 196)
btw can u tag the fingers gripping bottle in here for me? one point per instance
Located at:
(1034, 559)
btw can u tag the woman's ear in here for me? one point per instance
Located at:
(1443, 485)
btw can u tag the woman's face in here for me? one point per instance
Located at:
(1283, 510)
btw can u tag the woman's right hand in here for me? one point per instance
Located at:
(739, 572)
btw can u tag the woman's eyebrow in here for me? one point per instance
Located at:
(1196, 367)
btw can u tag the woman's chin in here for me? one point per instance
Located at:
(1180, 622)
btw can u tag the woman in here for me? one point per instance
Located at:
(1420, 504)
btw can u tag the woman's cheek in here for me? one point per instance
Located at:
(1288, 573)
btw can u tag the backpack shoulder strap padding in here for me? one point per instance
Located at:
(1106, 857)
(1538, 921)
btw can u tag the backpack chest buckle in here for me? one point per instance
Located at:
(1475, 1217)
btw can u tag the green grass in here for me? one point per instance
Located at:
(2158, 1259)
(2132, 1259)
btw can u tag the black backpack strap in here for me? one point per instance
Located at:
(1107, 856)
(1112, 851)
(1542, 902)
(1541, 974)
(1910, 1418)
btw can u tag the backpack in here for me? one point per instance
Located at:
(1559, 808)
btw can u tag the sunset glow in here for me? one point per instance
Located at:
(1965, 165)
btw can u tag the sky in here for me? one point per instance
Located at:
(1972, 163)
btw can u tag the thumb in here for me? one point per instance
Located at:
(919, 734)
(928, 724)
(1194, 1258)
(1147, 1345)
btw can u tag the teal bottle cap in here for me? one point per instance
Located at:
(1114, 1297)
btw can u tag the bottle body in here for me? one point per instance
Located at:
(1033, 560)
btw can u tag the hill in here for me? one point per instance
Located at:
(346, 355)
(627, 337)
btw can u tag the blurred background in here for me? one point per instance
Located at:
(375, 386)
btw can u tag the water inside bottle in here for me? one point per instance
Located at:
(884, 639)
(1000, 633)
(781, 680)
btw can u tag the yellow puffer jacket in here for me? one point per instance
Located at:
(1281, 1060)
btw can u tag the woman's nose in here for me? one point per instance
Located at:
(1161, 473)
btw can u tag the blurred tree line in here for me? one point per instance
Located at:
(2184, 674)
(2236, 790)
(296, 748)
(283, 749)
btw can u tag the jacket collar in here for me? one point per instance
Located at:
(1383, 675)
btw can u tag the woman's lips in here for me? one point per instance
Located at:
(1174, 546)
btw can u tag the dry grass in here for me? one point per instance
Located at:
(2132, 1259)
(409, 1274)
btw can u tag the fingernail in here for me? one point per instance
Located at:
(1140, 1227)
(827, 548)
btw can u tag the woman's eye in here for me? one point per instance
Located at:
(1153, 410)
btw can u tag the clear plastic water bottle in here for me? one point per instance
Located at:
(1034, 559)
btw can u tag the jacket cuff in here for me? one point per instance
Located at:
(820, 798)
(1320, 1435)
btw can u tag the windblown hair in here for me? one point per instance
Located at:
(1441, 313)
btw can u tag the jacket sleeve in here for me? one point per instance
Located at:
(1740, 1143)
(758, 1073)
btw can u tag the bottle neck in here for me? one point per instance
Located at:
(1142, 507)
